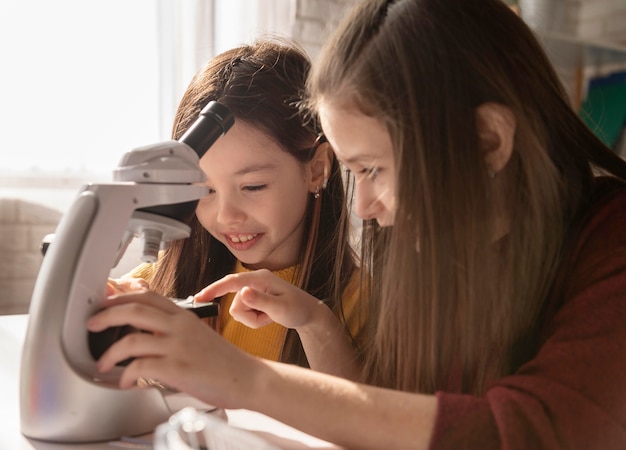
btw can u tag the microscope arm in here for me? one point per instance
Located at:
(63, 398)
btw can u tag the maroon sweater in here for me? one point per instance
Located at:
(572, 393)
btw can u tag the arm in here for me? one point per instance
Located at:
(343, 412)
(263, 298)
(328, 347)
(185, 354)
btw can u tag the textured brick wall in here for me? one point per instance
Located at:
(601, 19)
(597, 20)
(593, 20)
(316, 19)
(22, 227)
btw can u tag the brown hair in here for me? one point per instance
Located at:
(461, 306)
(262, 84)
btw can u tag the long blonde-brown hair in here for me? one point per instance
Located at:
(463, 310)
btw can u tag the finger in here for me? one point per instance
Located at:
(252, 299)
(156, 367)
(150, 368)
(261, 280)
(135, 283)
(145, 297)
(139, 315)
(133, 345)
(250, 317)
(113, 287)
(230, 283)
(110, 289)
(126, 284)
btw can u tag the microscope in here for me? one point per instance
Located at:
(155, 190)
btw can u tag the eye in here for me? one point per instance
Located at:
(255, 188)
(373, 172)
(370, 172)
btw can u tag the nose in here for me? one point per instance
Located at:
(365, 201)
(229, 210)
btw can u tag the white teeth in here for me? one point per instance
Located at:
(243, 238)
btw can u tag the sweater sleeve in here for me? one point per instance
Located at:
(572, 394)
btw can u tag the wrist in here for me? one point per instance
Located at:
(321, 320)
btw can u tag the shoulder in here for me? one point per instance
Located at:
(608, 204)
(600, 229)
(593, 267)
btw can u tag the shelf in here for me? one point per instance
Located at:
(569, 51)
(577, 60)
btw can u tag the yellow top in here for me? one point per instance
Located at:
(268, 341)
(265, 342)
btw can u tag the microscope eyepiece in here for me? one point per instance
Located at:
(215, 119)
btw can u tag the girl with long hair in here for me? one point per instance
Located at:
(276, 200)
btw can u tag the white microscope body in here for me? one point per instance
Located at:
(63, 398)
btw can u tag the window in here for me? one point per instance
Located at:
(78, 84)
(78, 89)
(85, 81)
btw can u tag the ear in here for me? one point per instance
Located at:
(319, 167)
(496, 125)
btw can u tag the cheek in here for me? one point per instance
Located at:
(289, 208)
(390, 201)
(294, 204)
(203, 212)
(387, 194)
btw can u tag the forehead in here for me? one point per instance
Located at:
(244, 149)
(354, 136)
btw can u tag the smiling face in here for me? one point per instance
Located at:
(257, 199)
(363, 145)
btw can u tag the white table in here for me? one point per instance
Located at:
(12, 332)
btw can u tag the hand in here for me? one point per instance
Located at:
(262, 297)
(177, 349)
(124, 285)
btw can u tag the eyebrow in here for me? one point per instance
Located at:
(360, 159)
(255, 168)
